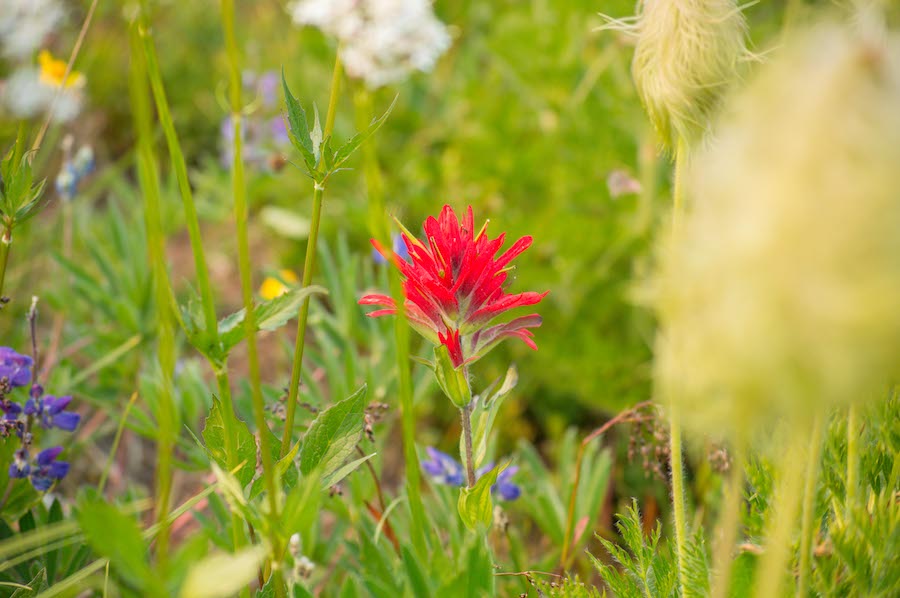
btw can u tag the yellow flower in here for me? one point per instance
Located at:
(53, 72)
(274, 286)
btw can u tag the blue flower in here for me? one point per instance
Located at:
(19, 468)
(47, 469)
(52, 413)
(15, 367)
(399, 247)
(446, 470)
(443, 468)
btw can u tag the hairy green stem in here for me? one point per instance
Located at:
(676, 456)
(852, 455)
(241, 219)
(466, 416)
(309, 267)
(148, 177)
(771, 570)
(379, 224)
(729, 522)
(809, 503)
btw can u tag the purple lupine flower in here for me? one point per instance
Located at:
(399, 247)
(19, 468)
(446, 470)
(52, 413)
(268, 85)
(279, 131)
(15, 367)
(11, 410)
(47, 469)
(443, 468)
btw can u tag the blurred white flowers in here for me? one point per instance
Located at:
(779, 294)
(30, 91)
(381, 41)
(24, 24)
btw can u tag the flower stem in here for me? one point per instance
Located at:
(309, 266)
(676, 456)
(852, 456)
(243, 246)
(379, 225)
(5, 242)
(809, 503)
(466, 416)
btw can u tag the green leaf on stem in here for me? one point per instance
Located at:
(346, 150)
(298, 127)
(333, 435)
(214, 438)
(270, 315)
(484, 410)
(223, 574)
(475, 505)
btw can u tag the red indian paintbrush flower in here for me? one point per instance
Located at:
(454, 287)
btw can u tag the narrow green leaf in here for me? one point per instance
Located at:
(346, 150)
(342, 472)
(334, 434)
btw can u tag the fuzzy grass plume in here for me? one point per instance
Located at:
(686, 55)
(779, 294)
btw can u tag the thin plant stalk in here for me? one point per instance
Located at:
(675, 445)
(809, 503)
(466, 416)
(729, 522)
(771, 570)
(852, 455)
(241, 216)
(120, 429)
(229, 419)
(166, 419)
(380, 226)
(5, 242)
(309, 266)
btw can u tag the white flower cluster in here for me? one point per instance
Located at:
(25, 23)
(32, 89)
(381, 41)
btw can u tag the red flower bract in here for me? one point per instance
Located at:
(453, 287)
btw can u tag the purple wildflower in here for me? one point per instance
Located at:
(47, 469)
(52, 413)
(15, 367)
(446, 470)
(399, 248)
(443, 468)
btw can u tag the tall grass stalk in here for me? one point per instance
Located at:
(229, 419)
(380, 227)
(675, 448)
(309, 266)
(852, 455)
(241, 216)
(148, 176)
(807, 532)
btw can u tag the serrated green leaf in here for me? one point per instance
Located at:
(245, 444)
(333, 435)
(270, 315)
(298, 127)
(223, 574)
(475, 505)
